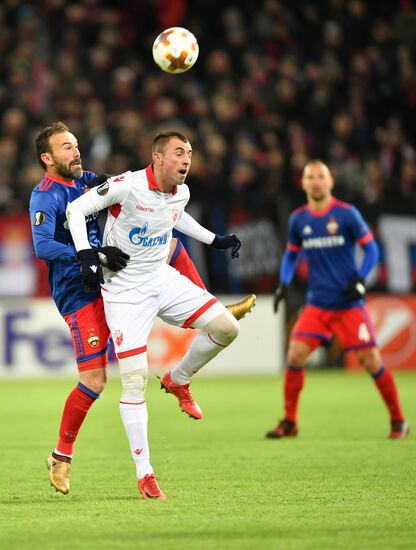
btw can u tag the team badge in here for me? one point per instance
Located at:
(93, 339)
(175, 215)
(39, 218)
(102, 189)
(332, 226)
(118, 337)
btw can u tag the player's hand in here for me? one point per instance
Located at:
(224, 242)
(91, 273)
(112, 257)
(279, 295)
(356, 289)
(98, 180)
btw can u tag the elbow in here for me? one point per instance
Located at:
(41, 251)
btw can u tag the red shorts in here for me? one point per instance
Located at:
(353, 327)
(90, 335)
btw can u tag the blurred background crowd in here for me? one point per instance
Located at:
(276, 83)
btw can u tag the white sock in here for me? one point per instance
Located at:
(202, 350)
(134, 417)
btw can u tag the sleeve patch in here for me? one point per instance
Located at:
(39, 218)
(103, 189)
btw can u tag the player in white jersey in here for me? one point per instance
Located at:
(144, 207)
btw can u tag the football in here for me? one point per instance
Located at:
(175, 50)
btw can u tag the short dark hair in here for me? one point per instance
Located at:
(162, 138)
(42, 139)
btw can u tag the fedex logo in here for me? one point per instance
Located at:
(25, 335)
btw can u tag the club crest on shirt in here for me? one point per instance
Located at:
(39, 218)
(175, 215)
(332, 226)
(93, 340)
(118, 337)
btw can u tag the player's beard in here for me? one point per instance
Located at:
(318, 196)
(66, 173)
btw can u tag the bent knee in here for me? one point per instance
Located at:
(224, 328)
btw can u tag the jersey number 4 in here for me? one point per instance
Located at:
(363, 333)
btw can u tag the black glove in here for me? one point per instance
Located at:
(111, 257)
(223, 242)
(356, 289)
(279, 294)
(91, 273)
(98, 180)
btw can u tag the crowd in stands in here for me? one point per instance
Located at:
(276, 83)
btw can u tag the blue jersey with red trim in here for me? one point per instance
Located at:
(53, 242)
(328, 239)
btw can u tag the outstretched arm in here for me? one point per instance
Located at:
(189, 226)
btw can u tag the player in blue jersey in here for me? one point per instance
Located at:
(64, 181)
(327, 230)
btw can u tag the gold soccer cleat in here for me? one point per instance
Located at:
(240, 309)
(59, 473)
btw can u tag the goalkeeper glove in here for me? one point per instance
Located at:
(91, 273)
(223, 242)
(356, 289)
(279, 295)
(111, 257)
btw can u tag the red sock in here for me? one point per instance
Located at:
(293, 384)
(76, 407)
(182, 262)
(387, 387)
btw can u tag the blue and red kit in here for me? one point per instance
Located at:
(83, 311)
(328, 239)
(53, 242)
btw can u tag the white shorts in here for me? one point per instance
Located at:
(169, 295)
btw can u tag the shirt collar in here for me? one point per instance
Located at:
(59, 180)
(152, 181)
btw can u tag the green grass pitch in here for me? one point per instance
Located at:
(340, 484)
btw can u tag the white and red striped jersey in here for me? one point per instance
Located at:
(139, 222)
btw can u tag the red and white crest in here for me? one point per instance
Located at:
(93, 340)
(175, 215)
(332, 226)
(118, 337)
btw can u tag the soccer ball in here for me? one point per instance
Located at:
(175, 50)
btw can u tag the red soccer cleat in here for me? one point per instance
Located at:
(149, 488)
(183, 393)
(399, 429)
(285, 428)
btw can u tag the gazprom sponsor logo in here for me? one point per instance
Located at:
(324, 242)
(138, 237)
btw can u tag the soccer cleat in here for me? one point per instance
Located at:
(240, 309)
(285, 428)
(59, 473)
(149, 487)
(399, 429)
(183, 393)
